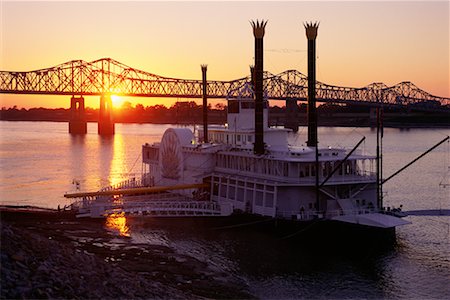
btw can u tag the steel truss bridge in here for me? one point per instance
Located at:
(107, 76)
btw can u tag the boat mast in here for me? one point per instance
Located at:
(381, 155)
(311, 33)
(379, 165)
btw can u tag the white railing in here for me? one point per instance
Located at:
(340, 212)
(296, 215)
(169, 208)
(131, 183)
(365, 176)
(309, 215)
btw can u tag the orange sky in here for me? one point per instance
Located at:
(358, 43)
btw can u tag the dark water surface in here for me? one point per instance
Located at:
(40, 161)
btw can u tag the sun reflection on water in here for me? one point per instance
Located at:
(118, 222)
(118, 163)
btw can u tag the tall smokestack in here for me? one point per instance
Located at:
(205, 105)
(252, 77)
(311, 34)
(258, 33)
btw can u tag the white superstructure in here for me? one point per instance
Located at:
(279, 183)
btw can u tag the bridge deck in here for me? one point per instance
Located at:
(94, 78)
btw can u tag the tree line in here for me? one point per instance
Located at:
(189, 112)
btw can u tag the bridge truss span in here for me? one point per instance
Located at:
(107, 76)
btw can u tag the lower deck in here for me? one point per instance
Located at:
(280, 200)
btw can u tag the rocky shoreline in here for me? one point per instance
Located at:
(51, 254)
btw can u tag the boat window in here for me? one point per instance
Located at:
(248, 105)
(249, 196)
(216, 189)
(259, 199)
(231, 192)
(348, 167)
(327, 168)
(233, 107)
(240, 194)
(269, 200)
(223, 191)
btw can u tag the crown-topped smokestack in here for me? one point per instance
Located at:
(311, 34)
(258, 32)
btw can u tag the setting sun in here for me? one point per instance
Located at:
(117, 101)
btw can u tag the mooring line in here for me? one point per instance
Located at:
(243, 224)
(300, 231)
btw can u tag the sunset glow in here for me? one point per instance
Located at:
(358, 42)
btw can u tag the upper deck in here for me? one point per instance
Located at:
(231, 151)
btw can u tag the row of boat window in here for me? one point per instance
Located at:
(347, 168)
(252, 164)
(271, 166)
(227, 138)
(244, 191)
(282, 168)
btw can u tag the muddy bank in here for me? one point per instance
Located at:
(49, 254)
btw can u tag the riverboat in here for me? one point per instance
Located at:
(281, 183)
(247, 169)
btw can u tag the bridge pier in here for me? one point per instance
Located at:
(292, 116)
(105, 117)
(77, 120)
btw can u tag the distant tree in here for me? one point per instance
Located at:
(140, 107)
(220, 106)
(126, 105)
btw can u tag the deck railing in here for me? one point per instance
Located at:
(145, 181)
(310, 214)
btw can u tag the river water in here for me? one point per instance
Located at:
(40, 161)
